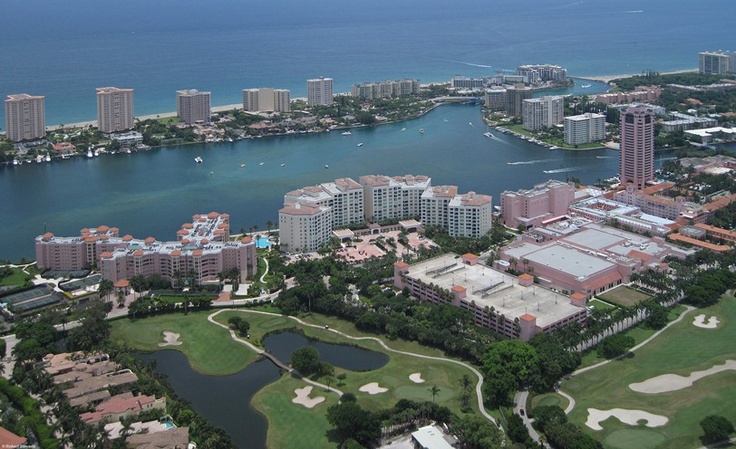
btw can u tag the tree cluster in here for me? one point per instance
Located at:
(561, 434)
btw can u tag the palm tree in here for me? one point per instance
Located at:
(435, 390)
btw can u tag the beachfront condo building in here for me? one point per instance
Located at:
(267, 99)
(193, 106)
(114, 109)
(201, 252)
(385, 89)
(376, 198)
(637, 146)
(543, 113)
(319, 92)
(717, 62)
(495, 99)
(25, 117)
(536, 73)
(585, 128)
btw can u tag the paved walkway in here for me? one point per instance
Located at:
(478, 387)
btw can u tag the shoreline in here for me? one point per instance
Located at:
(601, 78)
(609, 78)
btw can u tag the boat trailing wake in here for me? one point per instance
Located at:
(538, 161)
(563, 170)
(475, 65)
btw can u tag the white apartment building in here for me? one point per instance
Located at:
(495, 99)
(383, 198)
(542, 72)
(319, 92)
(193, 106)
(717, 62)
(543, 112)
(435, 201)
(25, 117)
(344, 196)
(114, 109)
(385, 89)
(304, 227)
(267, 99)
(470, 215)
(585, 128)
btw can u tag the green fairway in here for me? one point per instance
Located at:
(681, 349)
(624, 296)
(209, 348)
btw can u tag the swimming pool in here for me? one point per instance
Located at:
(263, 242)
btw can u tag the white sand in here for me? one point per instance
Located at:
(674, 382)
(373, 388)
(700, 321)
(416, 378)
(631, 417)
(302, 397)
(171, 339)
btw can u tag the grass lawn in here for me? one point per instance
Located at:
(681, 349)
(291, 425)
(209, 348)
(624, 296)
(601, 305)
(549, 399)
(17, 278)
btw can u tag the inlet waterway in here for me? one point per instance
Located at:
(225, 400)
(153, 193)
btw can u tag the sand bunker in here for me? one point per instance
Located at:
(302, 397)
(373, 388)
(171, 339)
(700, 321)
(631, 417)
(416, 378)
(673, 382)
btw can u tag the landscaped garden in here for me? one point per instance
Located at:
(624, 296)
(682, 349)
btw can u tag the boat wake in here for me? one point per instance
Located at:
(605, 157)
(562, 170)
(538, 161)
(475, 65)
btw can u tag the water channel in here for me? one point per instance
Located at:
(225, 400)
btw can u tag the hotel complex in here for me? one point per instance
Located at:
(310, 214)
(267, 99)
(114, 109)
(202, 251)
(512, 306)
(193, 106)
(637, 146)
(319, 92)
(25, 117)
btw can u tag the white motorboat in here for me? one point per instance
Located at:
(90, 154)
(488, 134)
(347, 133)
(198, 160)
(47, 158)
(360, 144)
(283, 165)
(421, 130)
(327, 166)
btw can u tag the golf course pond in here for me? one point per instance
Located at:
(225, 400)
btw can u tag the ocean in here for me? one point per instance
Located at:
(64, 50)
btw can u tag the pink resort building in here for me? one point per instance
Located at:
(203, 247)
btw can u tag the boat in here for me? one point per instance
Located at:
(360, 144)
(283, 165)
(488, 134)
(97, 153)
(327, 166)
(261, 163)
(445, 120)
(211, 173)
(198, 160)
(90, 154)
(421, 130)
(347, 133)
(403, 129)
(47, 158)
(585, 86)
(15, 162)
(242, 165)
(39, 159)
(128, 150)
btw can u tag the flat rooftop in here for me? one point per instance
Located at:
(562, 258)
(492, 288)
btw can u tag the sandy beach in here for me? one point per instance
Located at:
(609, 78)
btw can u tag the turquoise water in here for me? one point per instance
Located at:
(263, 242)
(64, 50)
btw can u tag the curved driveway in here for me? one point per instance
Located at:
(478, 390)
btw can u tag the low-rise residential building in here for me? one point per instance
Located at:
(680, 122)
(123, 406)
(640, 93)
(512, 306)
(202, 248)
